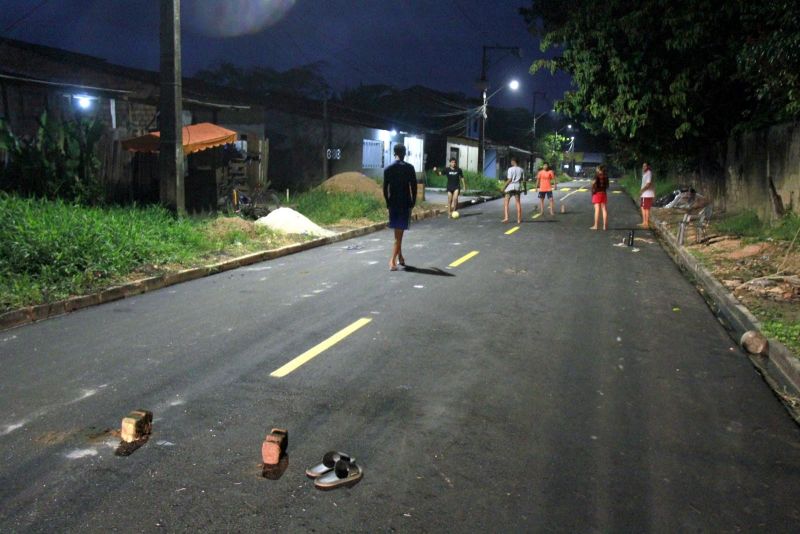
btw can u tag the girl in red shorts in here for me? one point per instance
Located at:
(599, 196)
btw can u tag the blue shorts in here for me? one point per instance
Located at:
(399, 217)
(548, 194)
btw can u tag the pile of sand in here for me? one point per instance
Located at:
(352, 182)
(288, 221)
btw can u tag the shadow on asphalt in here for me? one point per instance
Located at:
(471, 214)
(540, 222)
(435, 271)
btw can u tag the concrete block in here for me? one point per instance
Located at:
(137, 425)
(274, 446)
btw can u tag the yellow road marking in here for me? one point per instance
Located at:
(511, 231)
(464, 258)
(564, 189)
(582, 190)
(538, 214)
(315, 351)
(616, 192)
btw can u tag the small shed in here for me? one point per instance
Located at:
(202, 145)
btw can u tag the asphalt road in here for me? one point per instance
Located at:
(552, 382)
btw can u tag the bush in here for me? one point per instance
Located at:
(52, 249)
(58, 162)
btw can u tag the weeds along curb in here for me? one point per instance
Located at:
(32, 314)
(780, 368)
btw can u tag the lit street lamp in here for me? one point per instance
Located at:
(513, 85)
(484, 86)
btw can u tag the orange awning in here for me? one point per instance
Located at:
(196, 137)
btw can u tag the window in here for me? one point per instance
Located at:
(372, 157)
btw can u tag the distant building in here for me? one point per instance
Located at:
(288, 140)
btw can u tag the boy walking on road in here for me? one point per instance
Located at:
(646, 195)
(400, 193)
(545, 183)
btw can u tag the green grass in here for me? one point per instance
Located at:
(327, 207)
(475, 182)
(50, 250)
(633, 185)
(786, 333)
(747, 224)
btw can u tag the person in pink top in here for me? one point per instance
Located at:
(545, 184)
(647, 194)
(600, 197)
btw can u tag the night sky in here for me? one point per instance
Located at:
(436, 43)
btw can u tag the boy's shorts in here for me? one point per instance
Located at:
(647, 202)
(543, 194)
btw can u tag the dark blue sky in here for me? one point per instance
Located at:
(436, 43)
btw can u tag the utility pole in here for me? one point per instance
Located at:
(170, 160)
(483, 85)
(326, 138)
(533, 130)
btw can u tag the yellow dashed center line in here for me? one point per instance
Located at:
(582, 190)
(315, 351)
(464, 258)
(538, 214)
(512, 230)
(616, 192)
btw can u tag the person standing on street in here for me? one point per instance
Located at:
(513, 187)
(647, 194)
(455, 183)
(400, 193)
(600, 197)
(545, 183)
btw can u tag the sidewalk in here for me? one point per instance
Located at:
(779, 366)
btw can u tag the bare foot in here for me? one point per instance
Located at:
(402, 261)
(592, 228)
(504, 220)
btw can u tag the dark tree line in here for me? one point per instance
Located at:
(673, 78)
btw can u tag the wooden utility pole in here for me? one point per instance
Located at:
(170, 121)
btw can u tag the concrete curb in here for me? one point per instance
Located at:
(32, 314)
(780, 367)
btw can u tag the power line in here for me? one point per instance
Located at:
(24, 17)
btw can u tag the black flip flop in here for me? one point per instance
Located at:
(345, 473)
(328, 463)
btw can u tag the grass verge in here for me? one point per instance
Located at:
(633, 186)
(50, 250)
(747, 224)
(330, 207)
(476, 183)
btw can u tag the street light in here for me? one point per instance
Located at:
(513, 85)
(484, 86)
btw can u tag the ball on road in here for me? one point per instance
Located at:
(455, 215)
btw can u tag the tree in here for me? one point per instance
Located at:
(659, 76)
(305, 80)
(770, 59)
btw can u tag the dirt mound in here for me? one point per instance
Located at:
(222, 226)
(352, 182)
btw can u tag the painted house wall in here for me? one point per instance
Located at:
(467, 153)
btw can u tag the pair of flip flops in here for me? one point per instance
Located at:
(336, 470)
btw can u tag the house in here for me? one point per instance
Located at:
(289, 141)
